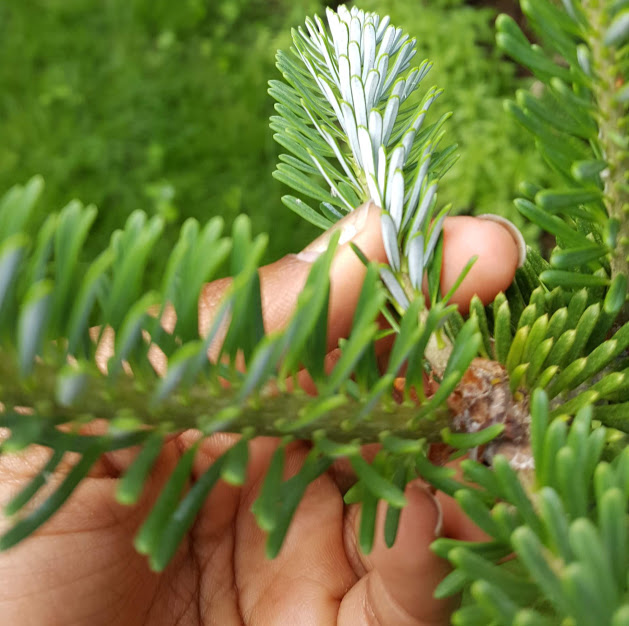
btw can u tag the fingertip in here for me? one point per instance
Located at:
(398, 582)
(497, 257)
(283, 281)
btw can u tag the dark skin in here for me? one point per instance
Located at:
(81, 568)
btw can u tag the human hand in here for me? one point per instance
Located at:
(81, 567)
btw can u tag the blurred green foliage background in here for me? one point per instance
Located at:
(162, 106)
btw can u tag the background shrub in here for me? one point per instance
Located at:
(162, 106)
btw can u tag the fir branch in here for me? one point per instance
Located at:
(606, 66)
(349, 110)
(126, 401)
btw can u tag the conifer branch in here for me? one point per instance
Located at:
(208, 408)
(611, 115)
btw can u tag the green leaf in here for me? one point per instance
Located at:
(408, 336)
(502, 329)
(584, 329)
(539, 424)
(301, 183)
(472, 440)
(80, 314)
(452, 584)
(558, 199)
(472, 615)
(601, 356)
(508, 479)
(516, 351)
(149, 536)
(377, 484)
(73, 226)
(554, 441)
(566, 378)
(176, 524)
(292, 493)
(131, 484)
(588, 171)
(130, 333)
(263, 365)
(576, 257)
(12, 252)
(557, 323)
(611, 516)
(181, 366)
(538, 359)
(535, 336)
(38, 266)
(308, 328)
(531, 551)
(530, 57)
(132, 247)
(266, 505)
(621, 616)
(197, 268)
(476, 567)
(530, 617)
(478, 512)
(516, 377)
(618, 31)
(552, 224)
(25, 495)
(507, 25)
(364, 329)
(16, 207)
(546, 376)
(32, 324)
(439, 477)
(477, 309)
(576, 307)
(465, 348)
(483, 476)
(234, 467)
(580, 586)
(546, 109)
(496, 602)
(587, 546)
(392, 518)
(246, 329)
(572, 280)
(556, 522)
(70, 384)
(367, 528)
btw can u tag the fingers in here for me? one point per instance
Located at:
(396, 584)
(304, 583)
(498, 248)
(282, 282)
(456, 524)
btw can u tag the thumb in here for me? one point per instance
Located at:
(281, 282)
(396, 584)
(360, 227)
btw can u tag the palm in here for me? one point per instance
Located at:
(84, 559)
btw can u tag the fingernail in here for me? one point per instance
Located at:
(514, 231)
(439, 523)
(350, 226)
(426, 492)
